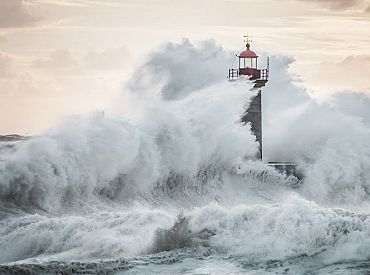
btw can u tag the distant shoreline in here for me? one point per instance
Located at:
(7, 138)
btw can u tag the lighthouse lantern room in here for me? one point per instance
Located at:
(248, 66)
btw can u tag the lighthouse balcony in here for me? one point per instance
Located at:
(254, 74)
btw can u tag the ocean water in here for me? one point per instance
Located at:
(170, 186)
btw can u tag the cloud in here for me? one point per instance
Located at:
(60, 59)
(63, 60)
(36, 96)
(328, 78)
(85, 3)
(37, 92)
(108, 59)
(6, 66)
(16, 13)
(340, 4)
(361, 62)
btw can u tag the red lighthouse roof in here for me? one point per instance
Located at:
(248, 53)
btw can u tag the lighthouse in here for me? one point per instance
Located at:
(248, 66)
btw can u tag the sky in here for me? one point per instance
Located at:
(61, 58)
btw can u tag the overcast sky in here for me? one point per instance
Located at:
(67, 57)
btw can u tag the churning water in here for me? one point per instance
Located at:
(170, 187)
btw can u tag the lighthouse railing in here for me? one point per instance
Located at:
(233, 73)
(264, 74)
(255, 74)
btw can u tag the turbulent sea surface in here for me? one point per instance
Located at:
(171, 187)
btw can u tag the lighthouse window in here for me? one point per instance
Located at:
(248, 63)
